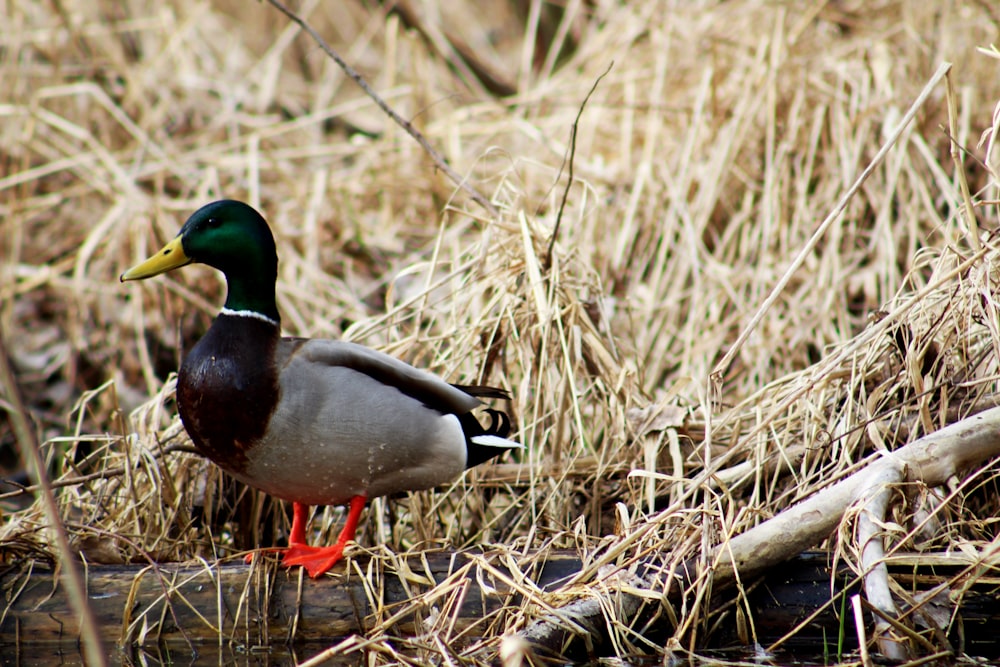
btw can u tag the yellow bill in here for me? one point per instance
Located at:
(170, 257)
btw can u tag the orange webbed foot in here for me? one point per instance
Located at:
(316, 560)
(319, 560)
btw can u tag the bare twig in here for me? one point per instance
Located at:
(439, 159)
(569, 177)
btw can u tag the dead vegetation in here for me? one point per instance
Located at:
(720, 139)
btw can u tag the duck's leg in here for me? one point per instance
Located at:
(300, 518)
(317, 560)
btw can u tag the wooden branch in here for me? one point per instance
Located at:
(580, 628)
(873, 500)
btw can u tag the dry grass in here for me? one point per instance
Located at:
(707, 157)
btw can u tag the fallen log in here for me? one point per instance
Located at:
(264, 604)
(248, 608)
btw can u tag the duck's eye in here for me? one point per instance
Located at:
(213, 223)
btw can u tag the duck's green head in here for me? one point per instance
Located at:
(232, 237)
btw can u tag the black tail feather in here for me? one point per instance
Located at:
(499, 426)
(499, 423)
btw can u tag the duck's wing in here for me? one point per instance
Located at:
(386, 370)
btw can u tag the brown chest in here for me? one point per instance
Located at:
(227, 389)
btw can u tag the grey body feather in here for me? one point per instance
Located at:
(353, 421)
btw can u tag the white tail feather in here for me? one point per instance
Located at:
(496, 441)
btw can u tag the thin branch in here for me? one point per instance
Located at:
(572, 156)
(76, 588)
(438, 158)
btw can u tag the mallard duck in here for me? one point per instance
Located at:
(314, 422)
